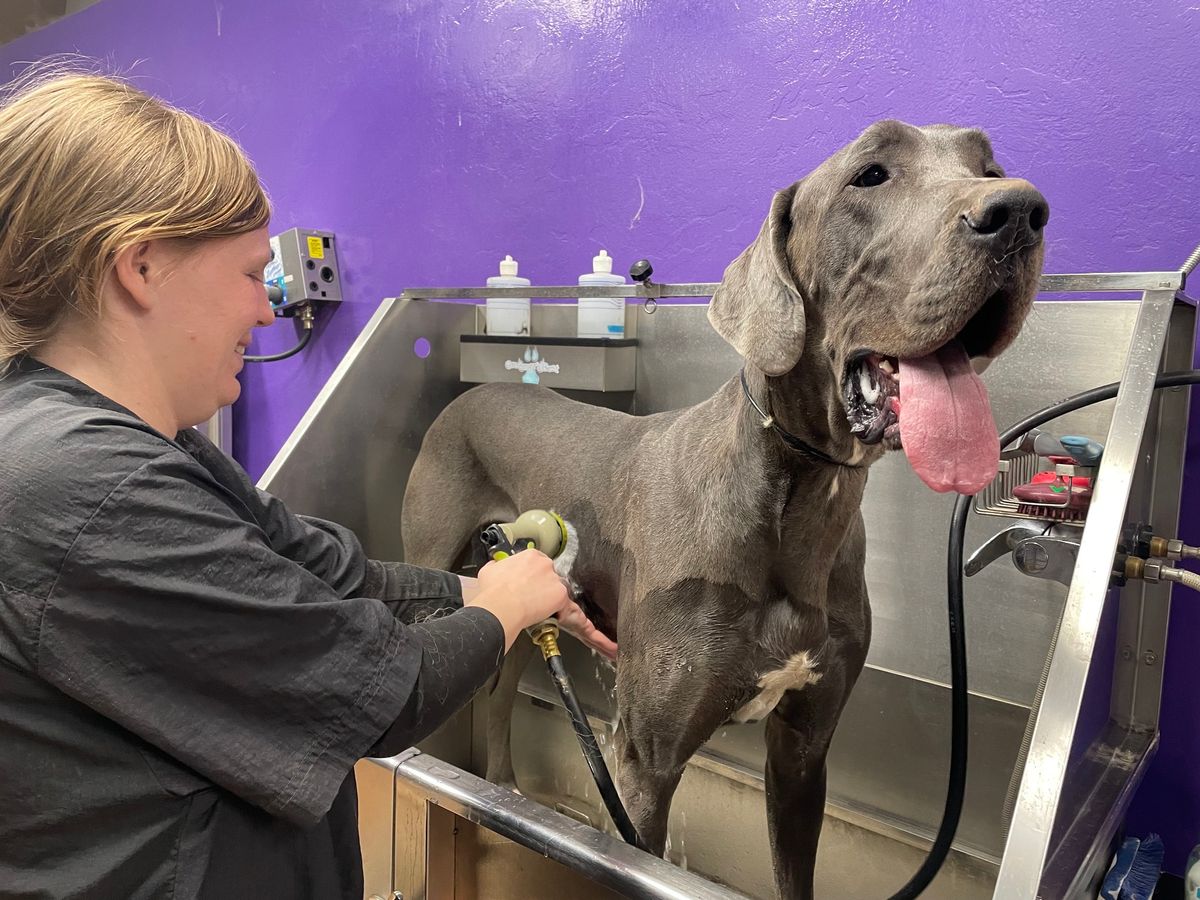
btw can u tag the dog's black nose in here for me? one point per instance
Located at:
(1014, 213)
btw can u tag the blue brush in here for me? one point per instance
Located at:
(1135, 871)
(1085, 451)
(1115, 880)
(1145, 871)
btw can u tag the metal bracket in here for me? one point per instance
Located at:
(1000, 543)
(1052, 558)
(1034, 553)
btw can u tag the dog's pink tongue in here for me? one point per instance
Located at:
(946, 423)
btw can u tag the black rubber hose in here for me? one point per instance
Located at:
(591, 752)
(304, 339)
(958, 645)
(958, 710)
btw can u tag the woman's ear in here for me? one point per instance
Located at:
(135, 270)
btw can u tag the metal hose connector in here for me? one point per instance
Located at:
(1155, 571)
(1172, 548)
(545, 635)
(1192, 262)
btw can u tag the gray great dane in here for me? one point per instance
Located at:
(728, 562)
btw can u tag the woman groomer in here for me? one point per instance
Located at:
(188, 671)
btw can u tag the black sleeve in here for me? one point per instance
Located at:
(401, 586)
(335, 555)
(466, 634)
(326, 549)
(174, 616)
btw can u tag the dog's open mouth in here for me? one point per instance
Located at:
(871, 390)
(932, 404)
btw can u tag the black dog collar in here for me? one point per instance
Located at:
(768, 421)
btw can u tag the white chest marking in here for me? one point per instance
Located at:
(797, 672)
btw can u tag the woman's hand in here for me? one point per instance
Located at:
(520, 591)
(573, 620)
(495, 591)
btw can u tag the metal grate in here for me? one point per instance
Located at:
(1018, 467)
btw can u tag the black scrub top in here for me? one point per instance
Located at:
(188, 671)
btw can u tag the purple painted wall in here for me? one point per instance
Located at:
(435, 137)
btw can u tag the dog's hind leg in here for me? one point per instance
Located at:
(499, 713)
(447, 500)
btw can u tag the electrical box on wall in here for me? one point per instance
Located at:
(304, 267)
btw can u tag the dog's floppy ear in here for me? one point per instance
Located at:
(758, 308)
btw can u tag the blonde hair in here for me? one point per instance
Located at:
(90, 165)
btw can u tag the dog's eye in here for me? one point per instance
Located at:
(871, 176)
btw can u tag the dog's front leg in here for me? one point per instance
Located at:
(798, 736)
(684, 668)
(800, 729)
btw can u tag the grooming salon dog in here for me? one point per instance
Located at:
(876, 287)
